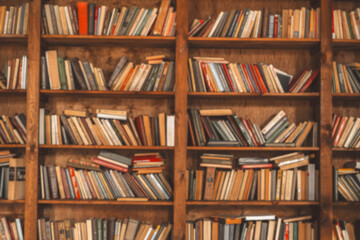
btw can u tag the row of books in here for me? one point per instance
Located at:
(90, 19)
(345, 131)
(99, 228)
(11, 230)
(14, 19)
(221, 127)
(246, 23)
(251, 227)
(346, 78)
(14, 74)
(108, 127)
(208, 74)
(257, 180)
(347, 184)
(67, 183)
(346, 24)
(344, 230)
(12, 176)
(13, 129)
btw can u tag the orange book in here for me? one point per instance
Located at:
(83, 18)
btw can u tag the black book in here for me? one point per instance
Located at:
(232, 28)
(78, 73)
(127, 20)
(91, 18)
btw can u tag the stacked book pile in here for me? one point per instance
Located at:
(90, 19)
(108, 127)
(221, 127)
(11, 229)
(346, 131)
(246, 23)
(251, 227)
(14, 74)
(210, 74)
(343, 230)
(113, 161)
(14, 19)
(346, 24)
(346, 78)
(13, 129)
(258, 179)
(99, 228)
(216, 160)
(145, 163)
(67, 183)
(347, 182)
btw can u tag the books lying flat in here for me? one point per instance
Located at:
(247, 23)
(89, 19)
(346, 131)
(346, 78)
(345, 24)
(147, 163)
(13, 129)
(14, 19)
(13, 75)
(111, 228)
(219, 75)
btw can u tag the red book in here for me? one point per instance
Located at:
(147, 160)
(140, 129)
(65, 183)
(261, 80)
(275, 26)
(207, 130)
(309, 81)
(293, 84)
(207, 78)
(243, 67)
(253, 166)
(74, 183)
(146, 156)
(11, 230)
(286, 231)
(96, 18)
(191, 140)
(109, 165)
(228, 78)
(252, 136)
(89, 183)
(340, 131)
(255, 77)
(335, 127)
(83, 18)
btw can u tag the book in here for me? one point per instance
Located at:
(16, 183)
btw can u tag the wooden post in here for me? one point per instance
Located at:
(326, 185)
(180, 120)
(32, 120)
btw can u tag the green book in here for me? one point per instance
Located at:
(143, 22)
(151, 79)
(349, 25)
(295, 230)
(62, 75)
(132, 21)
(99, 229)
(335, 172)
(277, 132)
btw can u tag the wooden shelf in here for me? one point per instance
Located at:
(5, 201)
(104, 202)
(13, 39)
(12, 92)
(346, 96)
(310, 95)
(126, 41)
(346, 204)
(262, 43)
(346, 149)
(155, 148)
(252, 203)
(253, 149)
(12, 146)
(105, 94)
(345, 44)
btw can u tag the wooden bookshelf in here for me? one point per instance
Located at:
(291, 55)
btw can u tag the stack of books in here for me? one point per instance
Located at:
(98, 228)
(257, 179)
(346, 24)
(109, 127)
(90, 19)
(113, 161)
(145, 163)
(246, 23)
(59, 73)
(221, 127)
(210, 74)
(343, 230)
(251, 227)
(346, 131)
(14, 19)
(216, 160)
(347, 182)
(14, 74)
(346, 78)
(67, 183)
(11, 229)
(13, 129)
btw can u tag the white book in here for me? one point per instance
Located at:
(101, 20)
(42, 126)
(137, 77)
(6, 21)
(277, 81)
(216, 24)
(352, 133)
(143, 77)
(19, 229)
(48, 18)
(136, 21)
(259, 217)
(58, 19)
(63, 20)
(18, 23)
(140, 22)
(247, 24)
(111, 22)
(149, 23)
(42, 187)
(273, 121)
(311, 182)
(68, 21)
(112, 132)
(170, 130)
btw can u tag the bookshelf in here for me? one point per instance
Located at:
(288, 54)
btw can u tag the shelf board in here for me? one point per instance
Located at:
(254, 149)
(104, 202)
(5, 201)
(346, 96)
(13, 39)
(252, 203)
(346, 44)
(126, 41)
(13, 92)
(310, 95)
(12, 145)
(346, 149)
(346, 204)
(88, 93)
(263, 43)
(49, 146)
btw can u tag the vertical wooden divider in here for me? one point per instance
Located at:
(180, 151)
(326, 185)
(32, 120)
